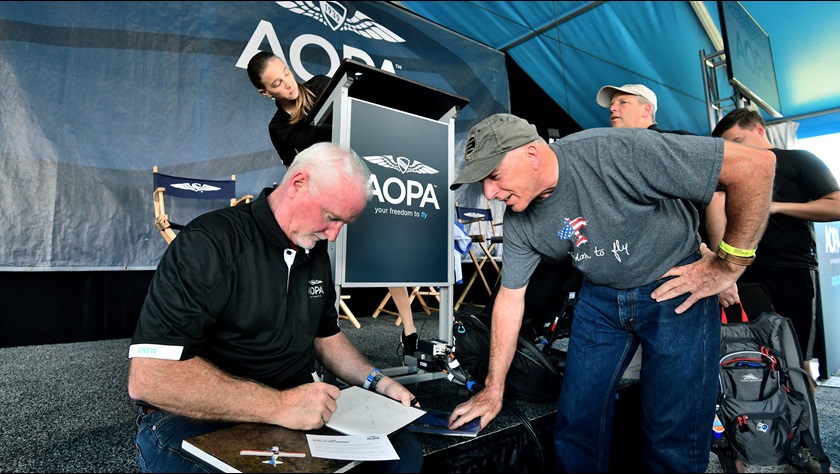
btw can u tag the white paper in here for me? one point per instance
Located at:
(362, 412)
(374, 447)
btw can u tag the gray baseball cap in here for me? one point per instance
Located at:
(489, 141)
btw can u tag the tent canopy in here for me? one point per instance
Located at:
(572, 49)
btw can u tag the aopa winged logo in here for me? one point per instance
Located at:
(474, 215)
(195, 187)
(401, 164)
(334, 15)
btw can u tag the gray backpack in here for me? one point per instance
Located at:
(765, 402)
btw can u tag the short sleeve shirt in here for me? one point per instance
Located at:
(616, 211)
(787, 241)
(223, 291)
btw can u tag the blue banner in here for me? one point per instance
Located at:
(97, 93)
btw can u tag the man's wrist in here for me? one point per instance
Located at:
(495, 389)
(735, 251)
(736, 259)
(373, 379)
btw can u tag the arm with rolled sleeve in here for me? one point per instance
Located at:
(747, 175)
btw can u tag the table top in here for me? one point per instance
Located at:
(440, 394)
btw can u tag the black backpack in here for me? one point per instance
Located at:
(536, 371)
(534, 376)
(765, 402)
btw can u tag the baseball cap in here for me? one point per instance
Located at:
(489, 141)
(606, 93)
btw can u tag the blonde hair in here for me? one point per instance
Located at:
(306, 98)
(304, 102)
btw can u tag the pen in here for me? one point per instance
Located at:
(413, 402)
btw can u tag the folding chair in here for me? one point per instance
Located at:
(189, 188)
(347, 314)
(416, 293)
(486, 237)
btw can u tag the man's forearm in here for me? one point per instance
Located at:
(825, 209)
(197, 389)
(508, 310)
(342, 359)
(747, 174)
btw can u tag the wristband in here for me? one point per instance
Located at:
(743, 261)
(735, 251)
(376, 381)
(372, 376)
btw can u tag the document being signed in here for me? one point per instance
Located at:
(362, 412)
(375, 447)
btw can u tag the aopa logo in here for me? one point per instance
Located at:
(334, 15)
(316, 288)
(195, 187)
(394, 190)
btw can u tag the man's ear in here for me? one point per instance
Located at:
(762, 132)
(534, 155)
(297, 182)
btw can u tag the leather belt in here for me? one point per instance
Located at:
(148, 410)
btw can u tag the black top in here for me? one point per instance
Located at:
(289, 139)
(789, 242)
(223, 291)
(676, 132)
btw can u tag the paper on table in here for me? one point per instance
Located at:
(362, 412)
(352, 448)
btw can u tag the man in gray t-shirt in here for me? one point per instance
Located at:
(597, 197)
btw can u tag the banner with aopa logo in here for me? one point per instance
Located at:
(97, 93)
(403, 235)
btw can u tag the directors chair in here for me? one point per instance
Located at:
(486, 237)
(416, 292)
(168, 186)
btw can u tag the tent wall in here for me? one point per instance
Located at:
(95, 94)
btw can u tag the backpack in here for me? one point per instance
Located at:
(536, 372)
(765, 402)
(533, 376)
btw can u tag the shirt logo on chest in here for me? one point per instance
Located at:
(316, 289)
(572, 228)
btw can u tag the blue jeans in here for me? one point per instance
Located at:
(678, 379)
(159, 436)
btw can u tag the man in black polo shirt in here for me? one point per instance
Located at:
(241, 306)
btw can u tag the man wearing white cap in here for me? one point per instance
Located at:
(596, 197)
(631, 106)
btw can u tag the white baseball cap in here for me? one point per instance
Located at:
(606, 93)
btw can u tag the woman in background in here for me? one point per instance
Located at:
(290, 134)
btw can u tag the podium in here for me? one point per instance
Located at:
(405, 131)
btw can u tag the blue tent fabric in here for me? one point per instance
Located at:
(96, 93)
(657, 44)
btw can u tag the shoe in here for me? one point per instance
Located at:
(409, 343)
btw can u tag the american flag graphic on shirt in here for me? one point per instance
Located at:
(572, 228)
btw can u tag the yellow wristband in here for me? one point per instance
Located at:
(743, 261)
(736, 251)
